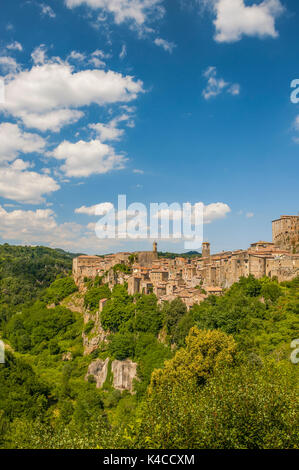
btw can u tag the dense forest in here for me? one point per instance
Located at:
(216, 376)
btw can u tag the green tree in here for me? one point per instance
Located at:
(118, 310)
(173, 312)
(94, 295)
(148, 317)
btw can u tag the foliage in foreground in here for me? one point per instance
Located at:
(229, 384)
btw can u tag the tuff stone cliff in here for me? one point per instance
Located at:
(98, 369)
(124, 372)
(96, 336)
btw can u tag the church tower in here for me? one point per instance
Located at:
(155, 247)
(206, 251)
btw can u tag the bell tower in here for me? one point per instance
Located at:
(206, 250)
(155, 247)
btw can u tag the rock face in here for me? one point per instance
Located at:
(67, 356)
(124, 372)
(98, 369)
(96, 336)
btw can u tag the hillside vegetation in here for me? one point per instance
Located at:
(217, 376)
(25, 272)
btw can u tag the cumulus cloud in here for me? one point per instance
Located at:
(136, 11)
(86, 158)
(234, 19)
(19, 184)
(215, 211)
(25, 224)
(41, 227)
(54, 120)
(110, 131)
(8, 64)
(14, 141)
(51, 90)
(166, 45)
(216, 85)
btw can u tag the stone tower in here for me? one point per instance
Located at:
(206, 250)
(285, 233)
(155, 247)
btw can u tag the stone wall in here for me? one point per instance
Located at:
(285, 233)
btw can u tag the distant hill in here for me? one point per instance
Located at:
(25, 271)
(189, 254)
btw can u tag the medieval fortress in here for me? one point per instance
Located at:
(194, 279)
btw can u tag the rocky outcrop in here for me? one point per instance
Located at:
(67, 356)
(124, 372)
(75, 303)
(96, 336)
(98, 369)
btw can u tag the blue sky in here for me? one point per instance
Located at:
(161, 100)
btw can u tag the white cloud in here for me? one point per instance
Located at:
(123, 52)
(110, 131)
(136, 11)
(39, 55)
(46, 10)
(166, 45)
(14, 46)
(53, 121)
(14, 141)
(52, 85)
(41, 227)
(234, 89)
(96, 62)
(234, 19)
(215, 211)
(86, 158)
(216, 85)
(107, 131)
(97, 209)
(140, 172)
(23, 225)
(24, 186)
(8, 64)
(249, 215)
(75, 55)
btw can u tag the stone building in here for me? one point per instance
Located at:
(285, 233)
(181, 277)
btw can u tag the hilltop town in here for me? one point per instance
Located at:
(194, 279)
